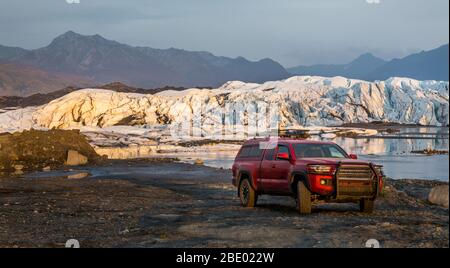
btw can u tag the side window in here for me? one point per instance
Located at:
(255, 151)
(244, 152)
(250, 151)
(334, 152)
(283, 149)
(270, 154)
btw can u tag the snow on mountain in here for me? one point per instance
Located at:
(300, 100)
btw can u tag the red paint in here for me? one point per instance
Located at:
(276, 175)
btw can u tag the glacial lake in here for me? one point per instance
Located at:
(393, 151)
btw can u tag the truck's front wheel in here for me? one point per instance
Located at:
(303, 198)
(247, 194)
(366, 205)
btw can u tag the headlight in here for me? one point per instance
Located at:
(320, 169)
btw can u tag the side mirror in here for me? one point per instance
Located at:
(283, 156)
(353, 156)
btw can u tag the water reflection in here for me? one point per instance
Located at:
(399, 143)
(126, 152)
(391, 150)
(383, 146)
(434, 167)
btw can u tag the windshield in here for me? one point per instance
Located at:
(303, 150)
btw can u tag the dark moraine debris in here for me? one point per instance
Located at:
(35, 149)
(429, 152)
(40, 99)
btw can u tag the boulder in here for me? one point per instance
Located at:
(74, 158)
(46, 168)
(198, 162)
(18, 167)
(80, 175)
(38, 149)
(439, 195)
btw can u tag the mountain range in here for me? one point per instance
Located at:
(10, 52)
(426, 65)
(75, 60)
(97, 59)
(21, 80)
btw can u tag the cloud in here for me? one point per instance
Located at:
(373, 2)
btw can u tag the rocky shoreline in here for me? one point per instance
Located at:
(163, 203)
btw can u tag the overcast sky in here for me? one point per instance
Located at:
(292, 32)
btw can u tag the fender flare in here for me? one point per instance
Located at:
(293, 181)
(239, 177)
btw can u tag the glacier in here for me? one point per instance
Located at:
(300, 101)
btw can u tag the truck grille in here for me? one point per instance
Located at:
(355, 180)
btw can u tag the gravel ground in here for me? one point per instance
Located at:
(149, 203)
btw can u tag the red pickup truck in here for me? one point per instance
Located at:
(306, 170)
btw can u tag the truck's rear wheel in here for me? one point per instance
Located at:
(247, 194)
(366, 205)
(303, 198)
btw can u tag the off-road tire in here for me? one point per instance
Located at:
(303, 198)
(366, 205)
(247, 194)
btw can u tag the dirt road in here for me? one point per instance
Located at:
(144, 203)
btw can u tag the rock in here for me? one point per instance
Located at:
(74, 158)
(80, 175)
(328, 135)
(18, 167)
(25, 150)
(198, 162)
(47, 168)
(439, 195)
(126, 231)
(14, 157)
